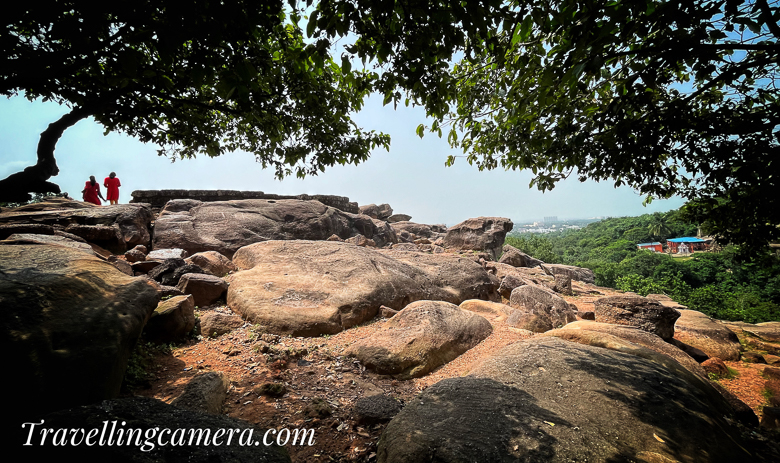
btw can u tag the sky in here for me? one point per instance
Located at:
(411, 177)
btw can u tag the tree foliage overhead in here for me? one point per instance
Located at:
(194, 77)
(667, 97)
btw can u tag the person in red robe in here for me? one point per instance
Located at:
(91, 191)
(112, 185)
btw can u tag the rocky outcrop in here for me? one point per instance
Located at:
(213, 262)
(159, 198)
(644, 313)
(421, 337)
(493, 311)
(171, 320)
(399, 218)
(516, 258)
(546, 399)
(144, 414)
(575, 273)
(70, 321)
(410, 231)
(227, 226)
(381, 212)
(205, 289)
(611, 336)
(309, 288)
(539, 309)
(700, 331)
(479, 234)
(116, 228)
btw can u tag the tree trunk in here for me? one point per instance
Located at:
(34, 179)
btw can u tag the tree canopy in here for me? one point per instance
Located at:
(199, 77)
(667, 97)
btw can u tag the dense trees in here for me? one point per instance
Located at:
(195, 77)
(666, 97)
(719, 284)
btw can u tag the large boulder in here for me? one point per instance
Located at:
(700, 331)
(399, 218)
(171, 320)
(419, 338)
(117, 228)
(382, 211)
(644, 313)
(213, 262)
(414, 230)
(479, 234)
(69, 323)
(576, 273)
(493, 311)
(539, 309)
(226, 226)
(217, 323)
(157, 422)
(603, 335)
(205, 289)
(546, 399)
(309, 288)
(517, 258)
(767, 331)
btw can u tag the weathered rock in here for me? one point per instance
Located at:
(716, 367)
(539, 309)
(171, 320)
(399, 218)
(216, 323)
(546, 399)
(587, 315)
(772, 359)
(205, 393)
(163, 273)
(700, 331)
(122, 265)
(604, 335)
(493, 311)
(160, 198)
(309, 288)
(226, 226)
(509, 283)
(382, 211)
(752, 357)
(205, 289)
(756, 344)
(143, 414)
(576, 273)
(184, 269)
(479, 234)
(387, 312)
(406, 247)
(421, 337)
(517, 258)
(416, 230)
(116, 228)
(562, 285)
(167, 253)
(384, 235)
(695, 353)
(334, 238)
(377, 408)
(637, 311)
(134, 255)
(146, 266)
(360, 240)
(25, 229)
(169, 291)
(768, 331)
(70, 321)
(30, 238)
(666, 301)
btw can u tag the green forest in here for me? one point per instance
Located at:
(721, 283)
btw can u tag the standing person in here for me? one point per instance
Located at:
(91, 191)
(112, 185)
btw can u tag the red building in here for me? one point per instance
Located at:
(655, 246)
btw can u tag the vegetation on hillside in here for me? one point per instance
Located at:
(720, 284)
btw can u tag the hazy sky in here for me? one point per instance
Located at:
(411, 178)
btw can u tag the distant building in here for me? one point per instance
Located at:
(655, 246)
(686, 244)
(549, 220)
